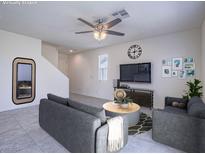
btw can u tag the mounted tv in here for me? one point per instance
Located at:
(140, 72)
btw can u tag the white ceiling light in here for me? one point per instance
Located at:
(70, 51)
(100, 35)
(101, 29)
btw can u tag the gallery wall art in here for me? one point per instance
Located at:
(166, 71)
(174, 73)
(177, 63)
(178, 67)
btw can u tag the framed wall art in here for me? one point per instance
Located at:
(177, 63)
(182, 74)
(178, 67)
(174, 73)
(166, 71)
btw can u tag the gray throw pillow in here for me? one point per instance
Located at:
(58, 99)
(97, 112)
(179, 105)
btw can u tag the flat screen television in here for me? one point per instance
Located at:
(140, 72)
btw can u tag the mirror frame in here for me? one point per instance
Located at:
(16, 61)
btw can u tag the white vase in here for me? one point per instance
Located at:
(116, 104)
(124, 106)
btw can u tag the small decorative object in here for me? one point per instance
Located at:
(177, 63)
(119, 94)
(134, 51)
(120, 98)
(166, 71)
(124, 106)
(174, 73)
(194, 89)
(182, 74)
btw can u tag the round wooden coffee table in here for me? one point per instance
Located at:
(132, 112)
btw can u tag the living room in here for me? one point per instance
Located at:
(70, 78)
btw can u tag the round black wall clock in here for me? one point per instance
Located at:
(134, 51)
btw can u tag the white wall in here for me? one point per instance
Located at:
(83, 66)
(50, 52)
(48, 78)
(55, 57)
(203, 57)
(63, 62)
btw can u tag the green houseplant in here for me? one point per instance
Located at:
(194, 89)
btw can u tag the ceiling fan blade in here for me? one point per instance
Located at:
(113, 23)
(83, 32)
(86, 22)
(114, 33)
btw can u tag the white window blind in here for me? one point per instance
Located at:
(102, 67)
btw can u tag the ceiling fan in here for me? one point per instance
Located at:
(101, 29)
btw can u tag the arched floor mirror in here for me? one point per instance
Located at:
(23, 80)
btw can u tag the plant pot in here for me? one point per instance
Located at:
(116, 104)
(124, 106)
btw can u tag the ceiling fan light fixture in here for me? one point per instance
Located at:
(102, 29)
(100, 35)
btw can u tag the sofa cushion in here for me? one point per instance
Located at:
(179, 105)
(197, 110)
(58, 99)
(202, 114)
(97, 112)
(171, 109)
(194, 100)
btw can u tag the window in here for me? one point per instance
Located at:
(103, 67)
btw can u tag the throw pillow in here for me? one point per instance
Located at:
(179, 105)
(182, 105)
(175, 104)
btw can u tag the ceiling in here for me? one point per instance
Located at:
(56, 22)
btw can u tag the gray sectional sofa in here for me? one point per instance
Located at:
(183, 129)
(78, 127)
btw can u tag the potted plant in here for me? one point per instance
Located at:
(194, 89)
(121, 99)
